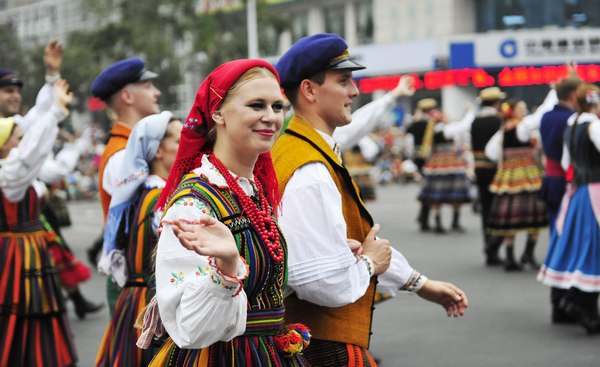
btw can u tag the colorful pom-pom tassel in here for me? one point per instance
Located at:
(292, 339)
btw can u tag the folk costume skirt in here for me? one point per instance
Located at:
(34, 330)
(446, 180)
(516, 205)
(255, 348)
(71, 271)
(573, 258)
(325, 353)
(118, 347)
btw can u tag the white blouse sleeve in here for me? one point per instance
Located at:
(530, 125)
(493, 148)
(396, 277)
(565, 160)
(454, 130)
(198, 305)
(364, 120)
(43, 102)
(57, 168)
(23, 163)
(595, 133)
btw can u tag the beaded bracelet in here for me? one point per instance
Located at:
(418, 284)
(51, 79)
(369, 263)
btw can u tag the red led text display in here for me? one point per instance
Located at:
(480, 78)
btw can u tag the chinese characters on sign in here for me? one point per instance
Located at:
(568, 47)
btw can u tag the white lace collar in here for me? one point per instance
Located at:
(154, 181)
(212, 174)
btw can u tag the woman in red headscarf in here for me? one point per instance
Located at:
(221, 259)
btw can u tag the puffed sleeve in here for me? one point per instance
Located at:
(493, 149)
(198, 304)
(24, 162)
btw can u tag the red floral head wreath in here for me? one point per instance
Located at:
(192, 144)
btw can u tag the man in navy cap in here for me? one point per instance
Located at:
(11, 84)
(334, 253)
(126, 87)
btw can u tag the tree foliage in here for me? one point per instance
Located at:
(155, 30)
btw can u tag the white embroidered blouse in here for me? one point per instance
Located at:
(198, 305)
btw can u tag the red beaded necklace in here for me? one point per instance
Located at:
(261, 219)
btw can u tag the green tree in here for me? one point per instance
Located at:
(11, 56)
(155, 30)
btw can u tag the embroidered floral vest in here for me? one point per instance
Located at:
(267, 278)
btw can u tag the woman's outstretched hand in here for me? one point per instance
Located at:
(209, 237)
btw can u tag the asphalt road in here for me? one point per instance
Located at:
(507, 323)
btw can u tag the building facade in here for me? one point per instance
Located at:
(453, 47)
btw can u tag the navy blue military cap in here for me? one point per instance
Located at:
(9, 77)
(118, 75)
(312, 54)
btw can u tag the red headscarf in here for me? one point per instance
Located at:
(192, 144)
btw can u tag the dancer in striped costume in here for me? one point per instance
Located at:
(445, 171)
(34, 330)
(131, 233)
(516, 205)
(221, 259)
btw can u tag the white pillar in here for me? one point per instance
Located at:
(252, 32)
(350, 24)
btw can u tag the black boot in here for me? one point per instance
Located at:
(492, 247)
(438, 224)
(528, 257)
(423, 218)
(456, 227)
(94, 250)
(82, 305)
(583, 307)
(559, 316)
(510, 264)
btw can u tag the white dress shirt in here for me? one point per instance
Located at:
(110, 176)
(321, 267)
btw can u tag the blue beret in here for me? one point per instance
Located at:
(9, 77)
(118, 75)
(312, 54)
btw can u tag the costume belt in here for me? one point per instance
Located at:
(482, 161)
(554, 169)
(264, 322)
(24, 227)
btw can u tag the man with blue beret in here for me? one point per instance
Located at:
(335, 255)
(126, 87)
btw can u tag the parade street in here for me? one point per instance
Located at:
(507, 323)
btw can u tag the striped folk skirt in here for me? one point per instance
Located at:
(325, 353)
(446, 180)
(118, 346)
(516, 205)
(34, 330)
(255, 348)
